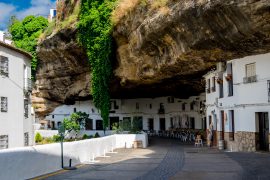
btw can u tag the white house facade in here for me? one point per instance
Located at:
(161, 113)
(15, 94)
(238, 103)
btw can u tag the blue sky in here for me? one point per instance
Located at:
(22, 8)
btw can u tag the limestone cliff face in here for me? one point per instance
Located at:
(160, 51)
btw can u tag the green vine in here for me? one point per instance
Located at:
(95, 34)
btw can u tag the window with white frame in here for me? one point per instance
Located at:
(3, 66)
(4, 104)
(250, 70)
(3, 141)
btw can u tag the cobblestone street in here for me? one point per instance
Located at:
(170, 159)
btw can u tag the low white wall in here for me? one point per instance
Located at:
(126, 141)
(29, 162)
(50, 133)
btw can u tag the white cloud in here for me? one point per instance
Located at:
(38, 7)
(6, 11)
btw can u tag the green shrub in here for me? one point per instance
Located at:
(56, 138)
(96, 135)
(47, 140)
(85, 136)
(38, 138)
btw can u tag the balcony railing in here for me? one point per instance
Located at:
(27, 85)
(250, 79)
(161, 111)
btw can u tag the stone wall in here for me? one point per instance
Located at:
(243, 141)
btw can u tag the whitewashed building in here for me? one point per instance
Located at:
(52, 14)
(15, 91)
(160, 113)
(238, 102)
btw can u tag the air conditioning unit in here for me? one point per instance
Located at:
(220, 67)
(250, 79)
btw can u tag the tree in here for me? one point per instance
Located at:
(75, 123)
(25, 35)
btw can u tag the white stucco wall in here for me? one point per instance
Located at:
(13, 123)
(247, 99)
(127, 108)
(29, 162)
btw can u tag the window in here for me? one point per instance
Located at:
(137, 106)
(229, 78)
(113, 105)
(3, 141)
(88, 124)
(161, 109)
(53, 116)
(26, 139)
(74, 109)
(192, 105)
(231, 134)
(214, 84)
(250, 70)
(150, 106)
(26, 110)
(192, 123)
(59, 123)
(126, 123)
(137, 123)
(99, 125)
(250, 73)
(4, 66)
(221, 93)
(268, 86)
(230, 88)
(170, 99)
(208, 86)
(4, 104)
(183, 106)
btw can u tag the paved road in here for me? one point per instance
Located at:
(170, 159)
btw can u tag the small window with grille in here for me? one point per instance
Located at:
(4, 104)
(26, 110)
(26, 139)
(3, 141)
(3, 66)
(250, 70)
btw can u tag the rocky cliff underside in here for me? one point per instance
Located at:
(162, 51)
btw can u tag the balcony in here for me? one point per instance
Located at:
(250, 79)
(27, 85)
(161, 111)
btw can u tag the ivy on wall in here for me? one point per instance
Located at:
(95, 34)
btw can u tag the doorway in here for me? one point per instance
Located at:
(150, 124)
(162, 126)
(113, 120)
(263, 130)
(222, 125)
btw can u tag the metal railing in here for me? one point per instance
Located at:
(250, 79)
(28, 84)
